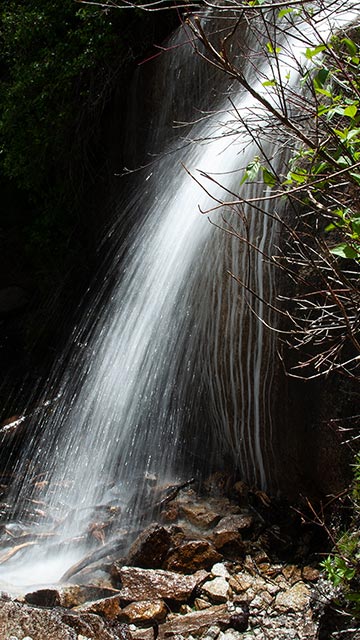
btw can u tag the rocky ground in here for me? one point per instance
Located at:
(226, 564)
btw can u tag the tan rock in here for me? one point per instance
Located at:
(200, 515)
(151, 584)
(95, 627)
(292, 573)
(217, 590)
(310, 574)
(20, 620)
(195, 623)
(74, 595)
(144, 611)
(106, 607)
(191, 556)
(142, 634)
(297, 598)
(201, 604)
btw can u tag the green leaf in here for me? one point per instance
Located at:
(343, 250)
(355, 225)
(252, 170)
(351, 111)
(285, 12)
(269, 83)
(269, 177)
(321, 76)
(270, 48)
(350, 45)
(311, 53)
(353, 597)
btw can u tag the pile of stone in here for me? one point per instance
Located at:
(210, 570)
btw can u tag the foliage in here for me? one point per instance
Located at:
(343, 566)
(307, 100)
(60, 64)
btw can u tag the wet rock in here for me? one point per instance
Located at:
(296, 598)
(149, 584)
(150, 548)
(217, 590)
(200, 515)
(227, 535)
(43, 598)
(191, 556)
(106, 607)
(144, 612)
(195, 623)
(75, 595)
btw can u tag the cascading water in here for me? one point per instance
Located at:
(175, 336)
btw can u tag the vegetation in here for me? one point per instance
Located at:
(60, 65)
(342, 567)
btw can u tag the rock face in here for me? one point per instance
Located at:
(146, 584)
(191, 556)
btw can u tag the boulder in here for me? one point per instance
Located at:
(191, 556)
(227, 535)
(195, 623)
(144, 612)
(74, 595)
(153, 584)
(150, 548)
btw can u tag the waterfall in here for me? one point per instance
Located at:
(171, 371)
